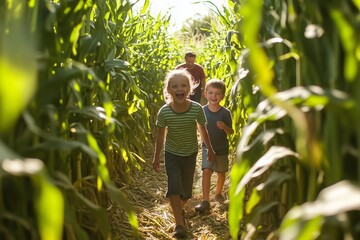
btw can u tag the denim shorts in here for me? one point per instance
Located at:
(180, 173)
(221, 163)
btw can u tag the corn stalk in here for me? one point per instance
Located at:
(77, 97)
(299, 148)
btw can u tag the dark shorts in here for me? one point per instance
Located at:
(180, 173)
(221, 163)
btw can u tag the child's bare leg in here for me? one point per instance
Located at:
(176, 206)
(206, 181)
(220, 182)
(183, 203)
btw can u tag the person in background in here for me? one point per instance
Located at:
(178, 121)
(198, 76)
(219, 126)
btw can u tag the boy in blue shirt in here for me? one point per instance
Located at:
(219, 126)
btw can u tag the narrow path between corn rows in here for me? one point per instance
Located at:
(146, 195)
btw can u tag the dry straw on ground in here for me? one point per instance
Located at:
(146, 195)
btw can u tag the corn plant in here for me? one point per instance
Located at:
(297, 171)
(73, 93)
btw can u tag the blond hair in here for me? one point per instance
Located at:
(171, 75)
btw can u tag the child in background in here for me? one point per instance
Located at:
(219, 125)
(179, 120)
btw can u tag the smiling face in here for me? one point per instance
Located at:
(179, 86)
(214, 95)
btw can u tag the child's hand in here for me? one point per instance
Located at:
(211, 154)
(220, 124)
(156, 165)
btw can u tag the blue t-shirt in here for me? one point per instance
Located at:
(218, 137)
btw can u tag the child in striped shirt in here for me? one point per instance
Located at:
(179, 120)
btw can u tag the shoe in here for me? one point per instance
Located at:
(180, 232)
(219, 198)
(202, 207)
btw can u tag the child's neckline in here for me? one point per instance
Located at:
(180, 109)
(212, 108)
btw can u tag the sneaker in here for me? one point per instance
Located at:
(219, 198)
(202, 207)
(180, 232)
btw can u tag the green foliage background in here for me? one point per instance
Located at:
(79, 78)
(297, 173)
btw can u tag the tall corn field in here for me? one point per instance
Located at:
(75, 80)
(297, 172)
(81, 83)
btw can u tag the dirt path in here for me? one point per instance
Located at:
(146, 194)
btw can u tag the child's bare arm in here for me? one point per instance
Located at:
(158, 147)
(205, 137)
(228, 130)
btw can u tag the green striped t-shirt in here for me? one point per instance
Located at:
(181, 137)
